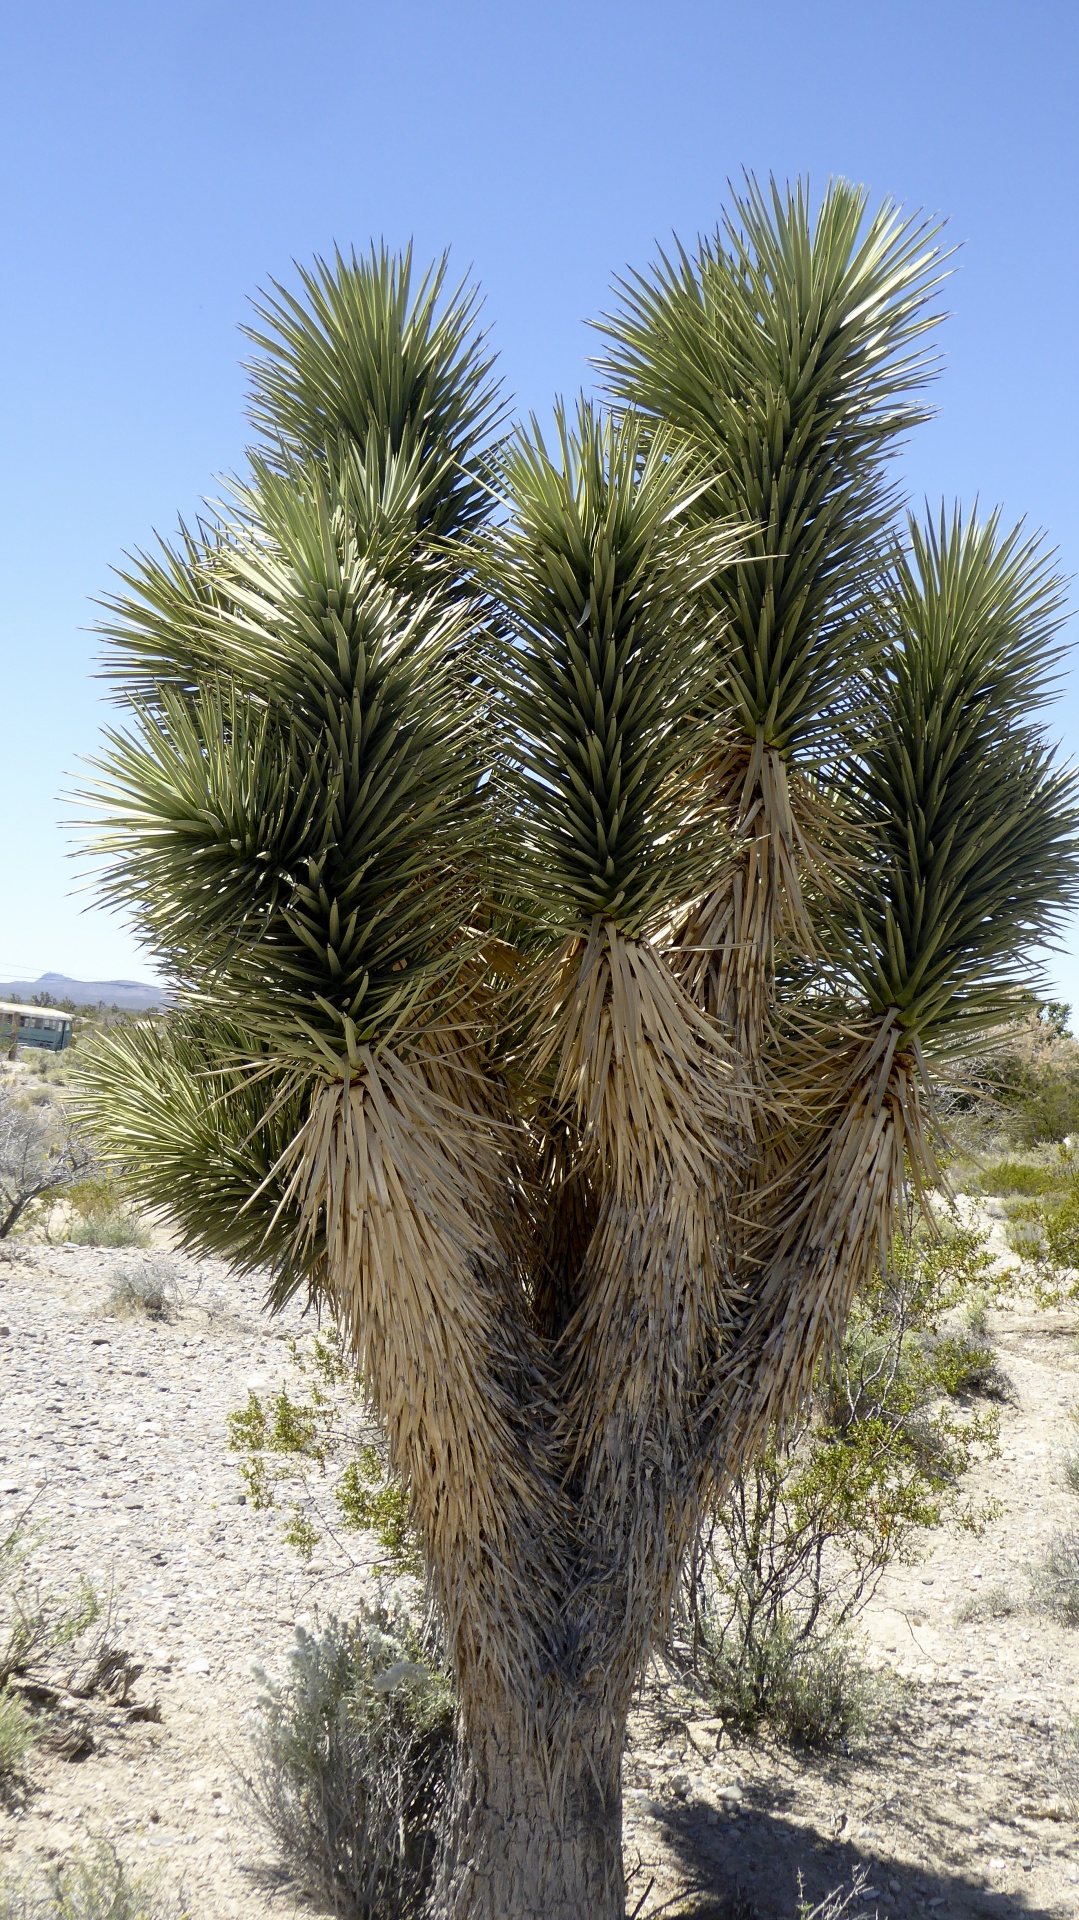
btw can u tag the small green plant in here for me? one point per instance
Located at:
(1008, 1177)
(371, 1500)
(814, 1690)
(351, 1764)
(34, 1624)
(18, 1732)
(97, 1216)
(282, 1438)
(91, 1885)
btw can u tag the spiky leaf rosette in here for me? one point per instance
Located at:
(403, 375)
(193, 1119)
(972, 827)
(972, 839)
(598, 582)
(302, 833)
(789, 352)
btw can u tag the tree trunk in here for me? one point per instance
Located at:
(528, 1841)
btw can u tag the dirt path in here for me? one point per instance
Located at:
(116, 1430)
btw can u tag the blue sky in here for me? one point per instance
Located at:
(161, 162)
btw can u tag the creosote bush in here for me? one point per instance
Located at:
(351, 1765)
(879, 1454)
(291, 1440)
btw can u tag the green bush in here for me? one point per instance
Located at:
(812, 1690)
(18, 1732)
(1016, 1176)
(352, 1760)
(282, 1439)
(98, 1217)
(877, 1456)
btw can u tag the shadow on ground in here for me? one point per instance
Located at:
(749, 1865)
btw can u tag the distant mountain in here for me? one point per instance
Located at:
(132, 995)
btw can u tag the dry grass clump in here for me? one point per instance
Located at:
(147, 1290)
(93, 1885)
(995, 1603)
(1054, 1582)
(352, 1757)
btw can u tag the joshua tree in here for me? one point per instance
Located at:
(572, 859)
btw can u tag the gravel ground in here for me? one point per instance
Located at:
(115, 1431)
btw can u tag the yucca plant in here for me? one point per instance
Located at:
(571, 856)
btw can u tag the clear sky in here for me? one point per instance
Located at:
(162, 161)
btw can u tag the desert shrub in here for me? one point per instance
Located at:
(813, 1690)
(147, 1289)
(996, 1603)
(1041, 1100)
(877, 1455)
(1024, 1229)
(34, 1624)
(352, 1758)
(93, 1885)
(1008, 1177)
(40, 1156)
(1054, 1581)
(1069, 1456)
(290, 1441)
(54, 1648)
(18, 1732)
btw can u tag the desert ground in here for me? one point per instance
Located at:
(113, 1437)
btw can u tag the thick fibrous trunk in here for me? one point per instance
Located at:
(535, 1835)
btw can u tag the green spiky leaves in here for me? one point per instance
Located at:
(598, 580)
(301, 835)
(973, 829)
(788, 351)
(398, 373)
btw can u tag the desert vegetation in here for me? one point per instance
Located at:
(577, 859)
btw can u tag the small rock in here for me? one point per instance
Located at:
(703, 1738)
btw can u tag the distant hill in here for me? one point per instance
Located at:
(131, 995)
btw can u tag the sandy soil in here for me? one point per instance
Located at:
(115, 1430)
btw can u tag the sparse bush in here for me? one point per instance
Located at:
(18, 1732)
(352, 1764)
(878, 1454)
(282, 1438)
(148, 1289)
(1008, 1177)
(1054, 1582)
(34, 1624)
(115, 1228)
(39, 1156)
(94, 1885)
(995, 1603)
(59, 1648)
(813, 1690)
